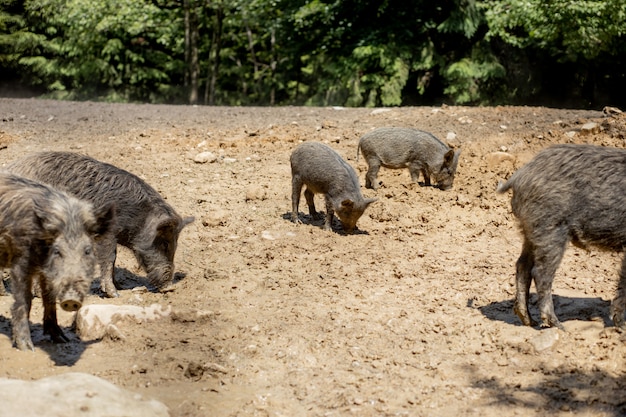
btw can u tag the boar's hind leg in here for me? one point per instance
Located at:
(619, 302)
(426, 175)
(524, 266)
(20, 311)
(50, 324)
(373, 166)
(310, 201)
(547, 258)
(296, 189)
(107, 253)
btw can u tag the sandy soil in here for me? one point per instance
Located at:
(412, 316)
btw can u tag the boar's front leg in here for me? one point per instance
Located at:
(619, 302)
(523, 279)
(50, 324)
(21, 283)
(106, 253)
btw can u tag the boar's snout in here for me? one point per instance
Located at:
(71, 305)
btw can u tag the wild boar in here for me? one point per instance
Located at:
(323, 171)
(567, 193)
(146, 224)
(419, 151)
(47, 237)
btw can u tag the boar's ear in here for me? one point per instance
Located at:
(448, 158)
(166, 228)
(347, 204)
(43, 218)
(369, 201)
(186, 221)
(106, 220)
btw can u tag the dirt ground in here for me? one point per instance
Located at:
(412, 316)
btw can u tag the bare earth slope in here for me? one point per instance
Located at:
(412, 316)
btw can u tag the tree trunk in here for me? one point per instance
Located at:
(187, 41)
(194, 68)
(214, 57)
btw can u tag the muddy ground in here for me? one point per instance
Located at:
(411, 316)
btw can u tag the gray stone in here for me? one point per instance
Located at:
(73, 394)
(97, 320)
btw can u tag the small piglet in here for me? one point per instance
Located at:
(47, 238)
(567, 193)
(323, 171)
(399, 147)
(147, 224)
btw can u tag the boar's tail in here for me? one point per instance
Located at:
(503, 187)
(357, 152)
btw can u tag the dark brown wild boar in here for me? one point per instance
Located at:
(567, 193)
(48, 237)
(147, 225)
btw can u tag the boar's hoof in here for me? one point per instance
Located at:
(524, 317)
(112, 293)
(549, 322)
(71, 305)
(57, 335)
(167, 288)
(618, 321)
(24, 344)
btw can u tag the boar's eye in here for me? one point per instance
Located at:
(56, 252)
(88, 250)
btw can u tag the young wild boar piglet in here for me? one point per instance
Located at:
(323, 171)
(419, 151)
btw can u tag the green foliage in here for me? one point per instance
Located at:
(474, 79)
(315, 52)
(567, 29)
(111, 49)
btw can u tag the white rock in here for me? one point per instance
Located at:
(73, 394)
(96, 320)
(451, 136)
(204, 157)
(495, 159)
(545, 340)
(378, 111)
(590, 128)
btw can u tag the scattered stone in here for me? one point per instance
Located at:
(463, 200)
(191, 316)
(378, 111)
(590, 128)
(215, 217)
(228, 160)
(256, 192)
(611, 111)
(74, 394)
(94, 321)
(204, 157)
(496, 159)
(451, 136)
(545, 340)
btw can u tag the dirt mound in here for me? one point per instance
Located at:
(413, 316)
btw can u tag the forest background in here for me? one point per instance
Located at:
(562, 53)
